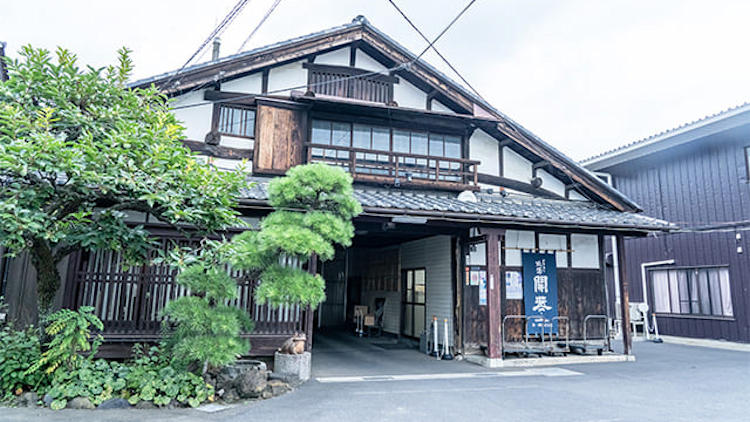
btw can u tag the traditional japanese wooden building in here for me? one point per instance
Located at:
(697, 280)
(455, 195)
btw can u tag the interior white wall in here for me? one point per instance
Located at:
(433, 254)
(484, 148)
(252, 83)
(585, 250)
(338, 57)
(551, 183)
(196, 120)
(408, 95)
(363, 61)
(287, 77)
(515, 166)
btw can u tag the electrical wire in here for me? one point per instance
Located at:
(216, 31)
(342, 79)
(445, 60)
(268, 13)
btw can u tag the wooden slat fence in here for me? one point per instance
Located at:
(130, 301)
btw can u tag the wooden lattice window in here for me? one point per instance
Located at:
(350, 82)
(236, 121)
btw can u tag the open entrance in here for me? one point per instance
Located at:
(397, 277)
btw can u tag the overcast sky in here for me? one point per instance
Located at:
(586, 76)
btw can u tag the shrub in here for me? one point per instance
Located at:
(149, 377)
(99, 380)
(71, 335)
(19, 351)
(203, 329)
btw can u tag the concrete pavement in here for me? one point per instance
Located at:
(667, 383)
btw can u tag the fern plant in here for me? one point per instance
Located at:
(71, 335)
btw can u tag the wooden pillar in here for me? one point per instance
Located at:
(627, 336)
(494, 310)
(310, 313)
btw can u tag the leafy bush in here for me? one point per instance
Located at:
(19, 350)
(99, 380)
(151, 378)
(202, 328)
(71, 335)
(148, 378)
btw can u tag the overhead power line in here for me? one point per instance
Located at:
(381, 72)
(257, 27)
(424, 37)
(216, 31)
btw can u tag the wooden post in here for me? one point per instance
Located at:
(312, 268)
(494, 311)
(627, 336)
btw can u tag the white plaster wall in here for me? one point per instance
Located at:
(252, 83)
(558, 243)
(408, 95)
(236, 142)
(484, 148)
(438, 106)
(517, 239)
(515, 166)
(576, 196)
(228, 164)
(364, 61)
(585, 250)
(338, 57)
(196, 120)
(287, 77)
(551, 183)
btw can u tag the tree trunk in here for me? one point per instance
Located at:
(47, 276)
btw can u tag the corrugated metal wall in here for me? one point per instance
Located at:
(698, 184)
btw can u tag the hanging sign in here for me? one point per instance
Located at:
(540, 291)
(513, 285)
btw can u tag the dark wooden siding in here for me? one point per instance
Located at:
(699, 184)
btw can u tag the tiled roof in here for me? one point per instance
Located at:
(512, 208)
(666, 133)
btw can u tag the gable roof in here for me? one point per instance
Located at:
(687, 132)
(360, 30)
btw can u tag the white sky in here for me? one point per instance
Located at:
(586, 76)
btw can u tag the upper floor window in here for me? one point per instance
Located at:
(382, 150)
(236, 121)
(350, 82)
(692, 291)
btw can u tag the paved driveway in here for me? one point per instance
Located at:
(667, 383)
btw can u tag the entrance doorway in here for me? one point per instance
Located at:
(413, 302)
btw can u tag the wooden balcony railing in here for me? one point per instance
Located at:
(390, 167)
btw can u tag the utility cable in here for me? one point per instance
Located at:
(342, 79)
(268, 13)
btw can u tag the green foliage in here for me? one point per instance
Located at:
(203, 328)
(19, 350)
(71, 335)
(314, 205)
(78, 149)
(149, 377)
(99, 380)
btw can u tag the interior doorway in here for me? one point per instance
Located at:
(413, 302)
